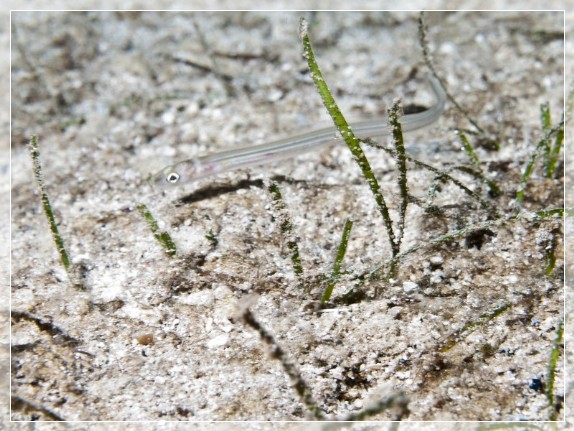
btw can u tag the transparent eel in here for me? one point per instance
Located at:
(213, 164)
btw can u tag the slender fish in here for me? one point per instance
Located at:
(213, 164)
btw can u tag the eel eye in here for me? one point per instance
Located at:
(172, 177)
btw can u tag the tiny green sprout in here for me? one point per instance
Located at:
(557, 345)
(162, 237)
(542, 146)
(286, 228)
(338, 259)
(58, 240)
(35, 153)
(212, 238)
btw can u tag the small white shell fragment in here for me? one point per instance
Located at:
(202, 298)
(437, 260)
(219, 341)
(410, 287)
